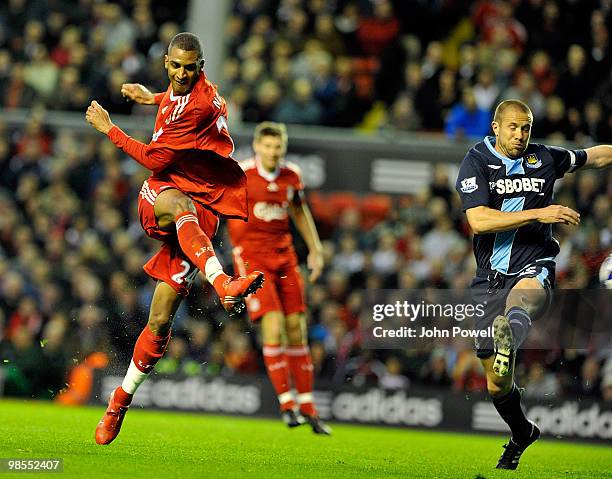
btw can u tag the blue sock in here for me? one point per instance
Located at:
(520, 322)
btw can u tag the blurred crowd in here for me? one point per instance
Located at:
(73, 296)
(410, 65)
(401, 65)
(63, 53)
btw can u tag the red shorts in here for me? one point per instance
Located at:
(169, 264)
(283, 288)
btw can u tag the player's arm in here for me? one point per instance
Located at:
(140, 94)
(154, 159)
(305, 225)
(483, 219)
(599, 156)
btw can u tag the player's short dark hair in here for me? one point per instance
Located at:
(270, 128)
(188, 42)
(504, 105)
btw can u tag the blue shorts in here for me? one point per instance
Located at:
(493, 291)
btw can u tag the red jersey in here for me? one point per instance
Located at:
(270, 195)
(191, 149)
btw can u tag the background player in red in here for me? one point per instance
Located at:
(265, 244)
(194, 181)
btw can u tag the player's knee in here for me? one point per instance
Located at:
(271, 327)
(182, 204)
(295, 336)
(529, 299)
(295, 327)
(169, 204)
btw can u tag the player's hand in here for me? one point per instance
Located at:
(558, 214)
(315, 265)
(98, 117)
(138, 93)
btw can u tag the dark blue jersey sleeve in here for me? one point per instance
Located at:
(472, 183)
(566, 161)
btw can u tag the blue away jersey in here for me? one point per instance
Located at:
(487, 178)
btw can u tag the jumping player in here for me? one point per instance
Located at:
(506, 186)
(265, 244)
(194, 181)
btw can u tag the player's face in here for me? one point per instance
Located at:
(270, 150)
(183, 69)
(512, 132)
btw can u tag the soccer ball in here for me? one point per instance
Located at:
(605, 273)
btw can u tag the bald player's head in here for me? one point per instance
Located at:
(512, 127)
(511, 105)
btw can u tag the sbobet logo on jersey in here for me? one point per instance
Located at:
(517, 185)
(376, 406)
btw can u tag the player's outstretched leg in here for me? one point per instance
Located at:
(175, 208)
(198, 248)
(302, 371)
(149, 348)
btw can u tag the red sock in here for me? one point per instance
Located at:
(149, 349)
(278, 372)
(123, 398)
(198, 248)
(300, 365)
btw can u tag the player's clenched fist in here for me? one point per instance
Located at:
(138, 93)
(98, 117)
(558, 214)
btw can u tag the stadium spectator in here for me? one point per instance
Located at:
(486, 90)
(392, 377)
(524, 89)
(302, 107)
(555, 122)
(403, 115)
(576, 83)
(588, 383)
(18, 93)
(434, 372)
(466, 119)
(468, 374)
(543, 74)
(540, 384)
(595, 127)
(375, 33)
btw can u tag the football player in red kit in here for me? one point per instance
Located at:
(265, 244)
(194, 181)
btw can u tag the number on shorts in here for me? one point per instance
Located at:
(185, 275)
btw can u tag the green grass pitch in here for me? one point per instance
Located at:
(156, 444)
